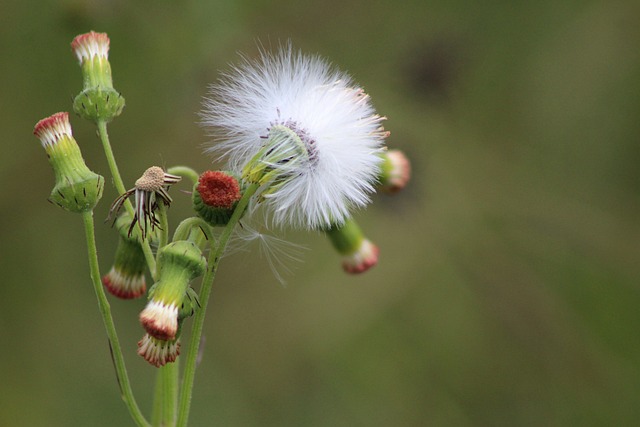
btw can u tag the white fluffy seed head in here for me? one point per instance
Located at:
(334, 118)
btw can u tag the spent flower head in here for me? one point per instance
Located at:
(150, 187)
(303, 131)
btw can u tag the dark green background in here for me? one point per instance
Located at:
(509, 282)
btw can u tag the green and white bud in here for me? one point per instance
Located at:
(178, 264)
(98, 99)
(395, 171)
(126, 279)
(358, 253)
(77, 189)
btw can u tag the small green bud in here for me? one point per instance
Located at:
(215, 197)
(77, 188)
(178, 263)
(98, 99)
(358, 253)
(126, 279)
(395, 171)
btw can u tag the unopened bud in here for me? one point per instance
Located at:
(77, 188)
(126, 278)
(358, 253)
(178, 264)
(98, 99)
(395, 171)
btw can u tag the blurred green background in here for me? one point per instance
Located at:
(509, 281)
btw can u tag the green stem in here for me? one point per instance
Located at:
(105, 311)
(198, 322)
(184, 171)
(117, 181)
(166, 396)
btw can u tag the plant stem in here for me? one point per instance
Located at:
(105, 311)
(117, 181)
(184, 171)
(166, 396)
(198, 322)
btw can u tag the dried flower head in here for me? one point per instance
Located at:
(150, 187)
(303, 131)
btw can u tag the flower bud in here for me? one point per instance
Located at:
(98, 100)
(215, 197)
(395, 171)
(358, 253)
(158, 352)
(126, 278)
(77, 188)
(178, 264)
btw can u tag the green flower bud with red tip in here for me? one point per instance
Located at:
(358, 253)
(215, 197)
(126, 279)
(98, 100)
(159, 352)
(178, 264)
(395, 171)
(77, 189)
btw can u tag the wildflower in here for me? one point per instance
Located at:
(98, 99)
(358, 253)
(179, 263)
(302, 131)
(77, 188)
(126, 278)
(153, 184)
(215, 196)
(396, 171)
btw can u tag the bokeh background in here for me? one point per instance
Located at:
(509, 281)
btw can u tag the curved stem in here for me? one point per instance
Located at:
(117, 181)
(105, 311)
(198, 322)
(184, 171)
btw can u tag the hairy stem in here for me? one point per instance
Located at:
(105, 311)
(198, 322)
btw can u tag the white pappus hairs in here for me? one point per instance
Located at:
(335, 120)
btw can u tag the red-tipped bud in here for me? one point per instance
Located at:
(396, 171)
(160, 320)
(365, 257)
(158, 352)
(358, 253)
